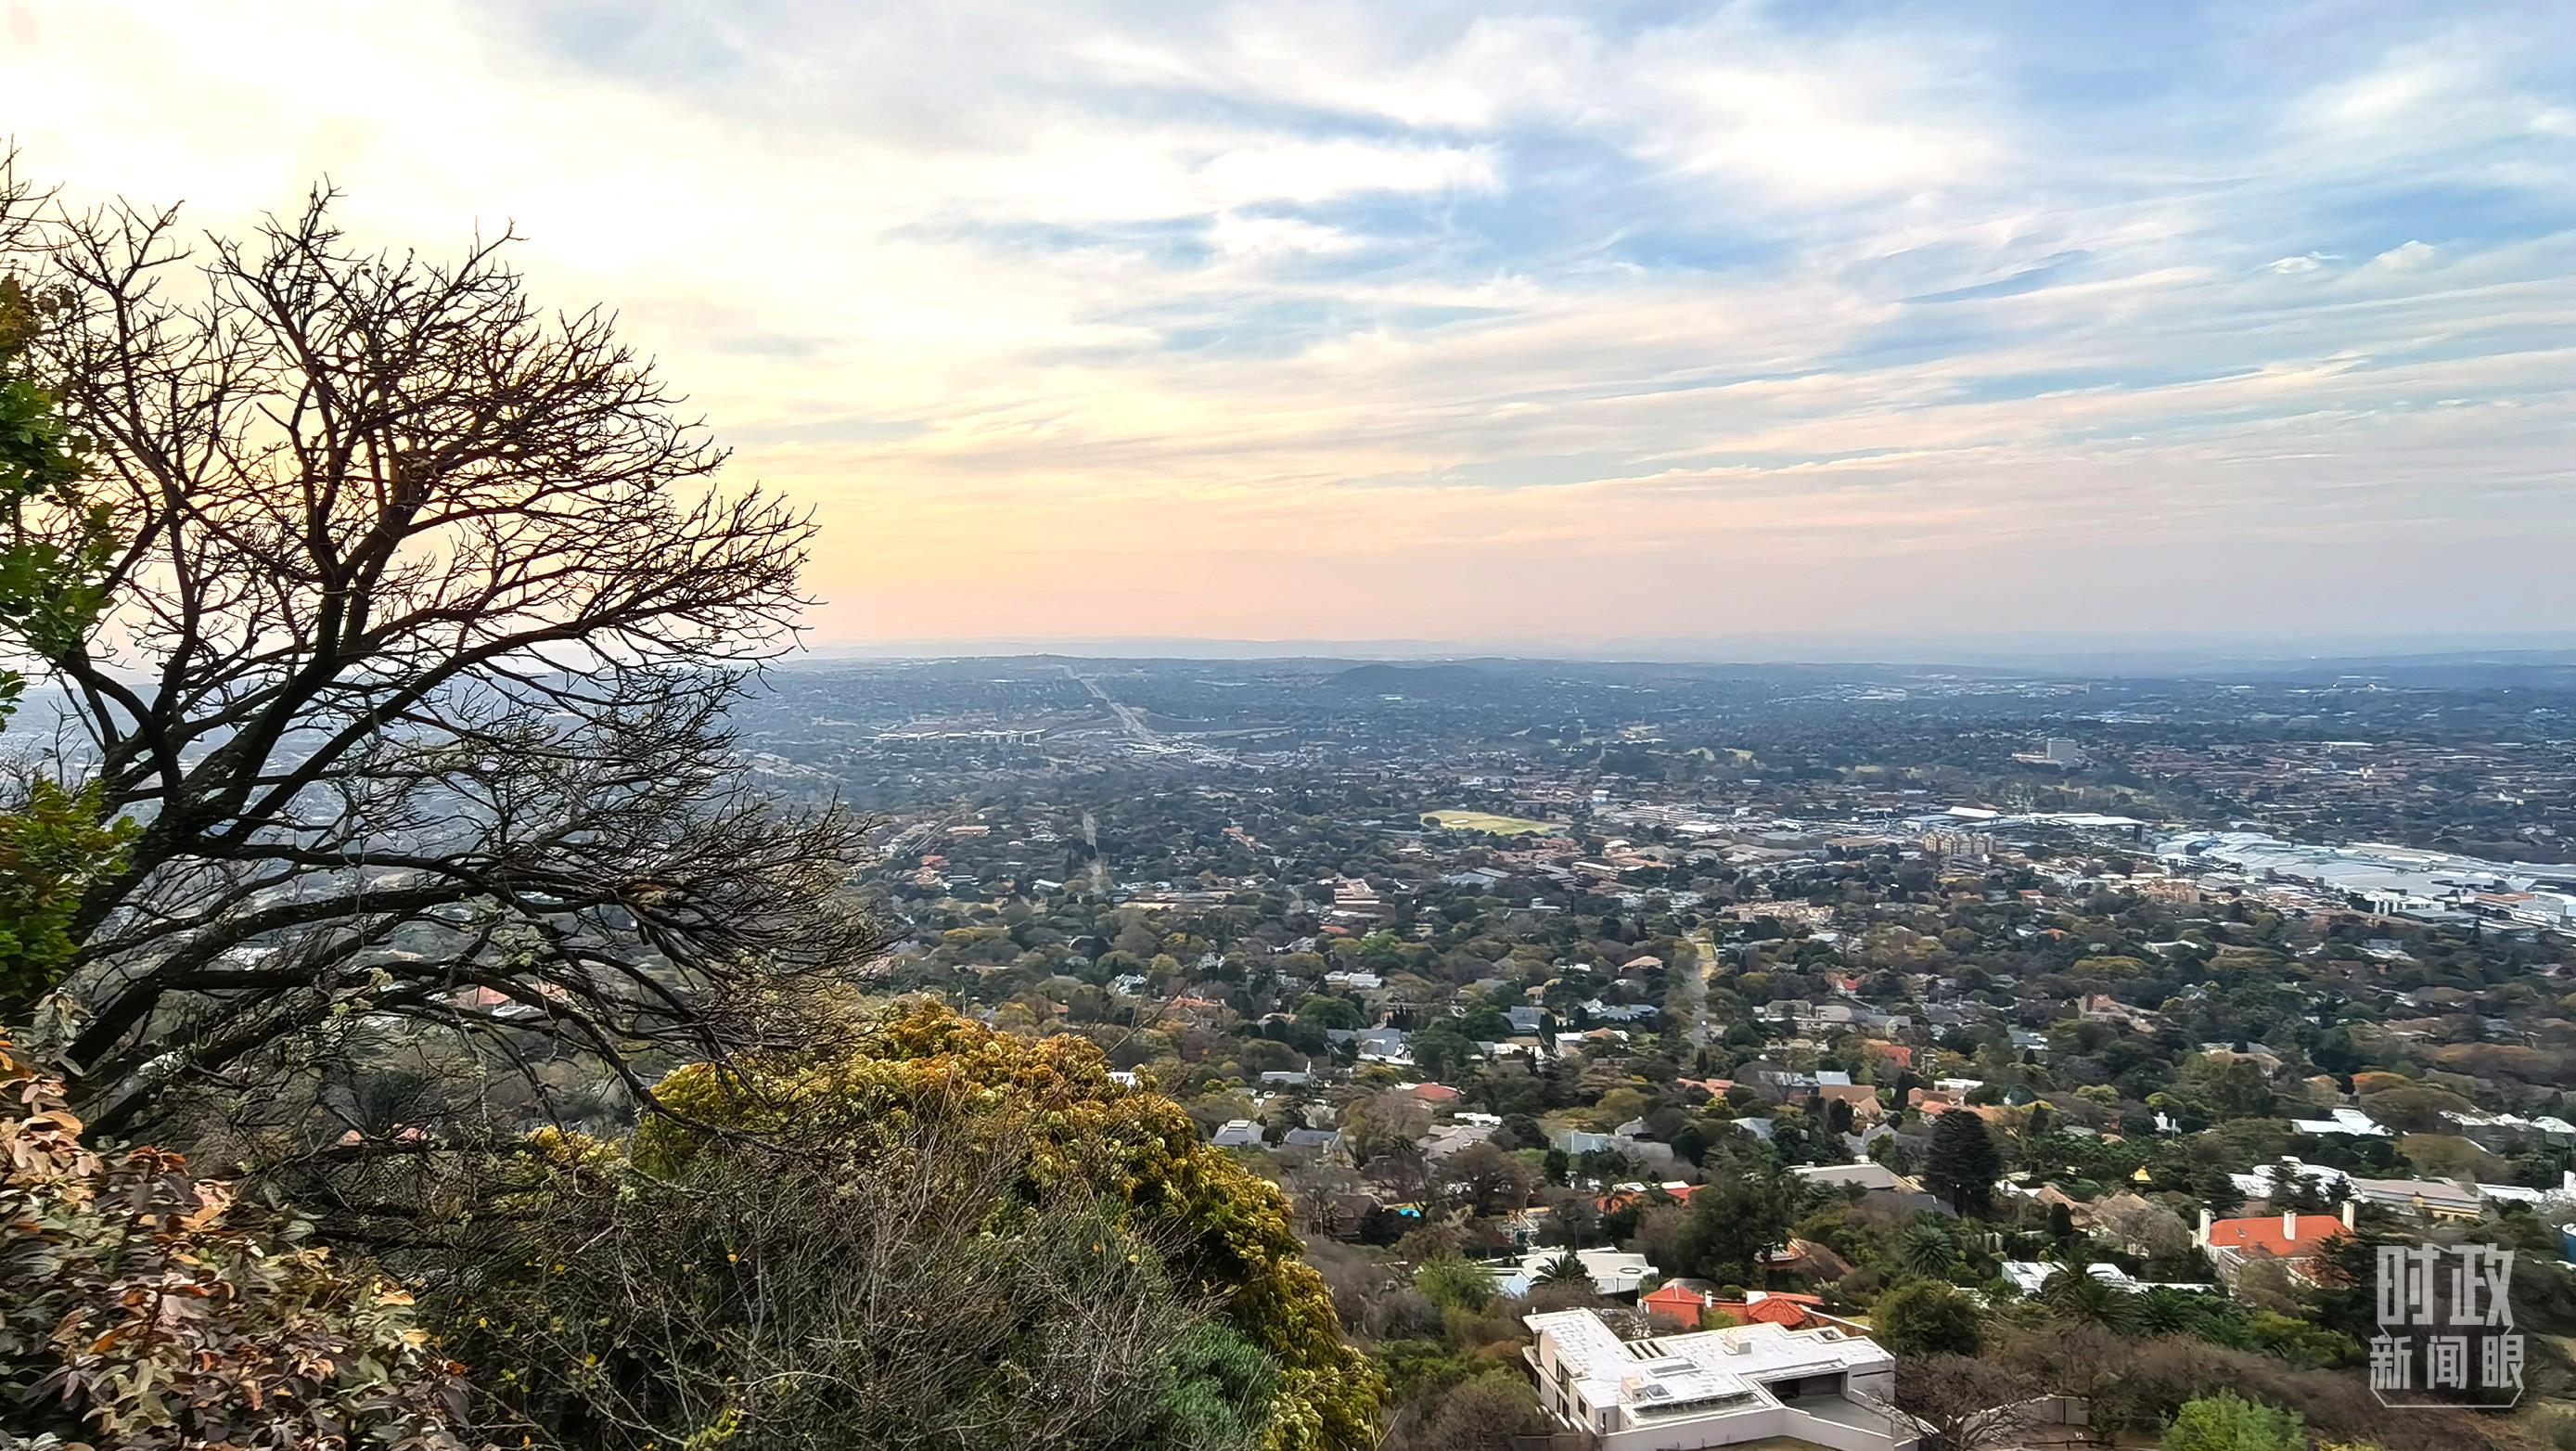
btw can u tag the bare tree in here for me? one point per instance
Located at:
(1961, 1403)
(424, 617)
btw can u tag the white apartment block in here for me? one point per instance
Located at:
(1716, 1387)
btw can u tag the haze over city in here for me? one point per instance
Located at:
(1544, 327)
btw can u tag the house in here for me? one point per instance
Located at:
(2295, 1238)
(1613, 1273)
(1326, 1143)
(1526, 1019)
(2254, 1053)
(1442, 1142)
(1880, 1187)
(1861, 1096)
(2422, 1198)
(1897, 1053)
(1620, 1196)
(2104, 1008)
(2558, 1200)
(1748, 1383)
(1383, 1045)
(2031, 1276)
(2495, 1130)
(2347, 1122)
(1237, 1133)
(1432, 1095)
(1678, 1305)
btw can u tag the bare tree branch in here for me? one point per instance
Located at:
(425, 615)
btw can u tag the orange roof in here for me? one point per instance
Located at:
(2264, 1235)
(1778, 1310)
(1434, 1092)
(1621, 1198)
(1674, 1297)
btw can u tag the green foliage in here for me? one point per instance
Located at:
(1062, 1126)
(50, 580)
(1422, 1367)
(143, 1308)
(51, 849)
(1565, 1269)
(1963, 1163)
(2224, 1422)
(1454, 1284)
(1733, 1219)
(1927, 1317)
(53, 846)
(1930, 1250)
(785, 1297)
(2072, 1294)
(2299, 1342)
(1215, 1388)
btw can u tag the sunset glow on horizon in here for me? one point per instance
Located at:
(1557, 326)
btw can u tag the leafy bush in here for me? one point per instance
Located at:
(930, 1231)
(148, 1309)
(2224, 1422)
(1926, 1317)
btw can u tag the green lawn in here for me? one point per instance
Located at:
(1488, 821)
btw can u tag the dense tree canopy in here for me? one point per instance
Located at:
(1964, 1162)
(926, 1168)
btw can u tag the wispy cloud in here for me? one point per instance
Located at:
(1588, 321)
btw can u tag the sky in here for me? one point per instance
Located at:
(1539, 327)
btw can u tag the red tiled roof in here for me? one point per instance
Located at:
(2264, 1235)
(1778, 1310)
(1621, 1198)
(1434, 1092)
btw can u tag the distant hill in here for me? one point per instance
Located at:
(1436, 679)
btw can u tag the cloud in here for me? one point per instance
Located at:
(2405, 257)
(1332, 319)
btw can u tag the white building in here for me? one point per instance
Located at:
(1613, 1273)
(1716, 1387)
(2032, 1276)
(2348, 1122)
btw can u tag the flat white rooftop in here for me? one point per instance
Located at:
(1702, 1370)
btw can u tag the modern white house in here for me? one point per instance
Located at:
(2032, 1276)
(1615, 1274)
(1709, 1388)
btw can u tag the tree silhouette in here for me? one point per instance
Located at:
(421, 625)
(1963, 1163)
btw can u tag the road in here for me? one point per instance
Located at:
(1695, 985)
(1127, 717)
(1099, 868)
